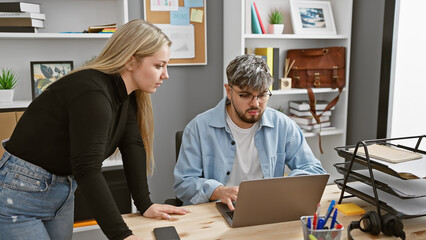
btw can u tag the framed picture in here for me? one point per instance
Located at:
(312, 17)
(45, 73)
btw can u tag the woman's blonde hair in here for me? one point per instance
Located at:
(140, 39)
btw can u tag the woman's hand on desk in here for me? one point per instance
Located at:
(163, 211)
(226, 195)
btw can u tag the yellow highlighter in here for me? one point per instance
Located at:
(312, 237)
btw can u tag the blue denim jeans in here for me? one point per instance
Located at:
(34, 204)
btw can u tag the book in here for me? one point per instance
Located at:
(41, 16)
(255, 26)
(269, 53)
(276, 67)
(19, 29)
(308, 120)
(387, 153)
(19, 7)
(314, 126)
(304, 105)
(258, 17)
(308, 113)
(21, 22)
(99, 28)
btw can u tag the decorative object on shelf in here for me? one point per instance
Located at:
(258, 18)
(45, 73)
(285, 82)
(276, 19)
(8, 81)
(255, 24)
(312, 17)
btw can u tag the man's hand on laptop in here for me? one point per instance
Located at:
(226, 195)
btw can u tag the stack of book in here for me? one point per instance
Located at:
(20, 17)
(107, 28)
(300, 113)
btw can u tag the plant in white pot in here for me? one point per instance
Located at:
(276, 25)
(8, 81)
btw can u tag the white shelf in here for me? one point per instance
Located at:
(309, 134)
(304, 91)
(54, 35)
(15, 104)
(293, 36)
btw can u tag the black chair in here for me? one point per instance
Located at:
(178, 141)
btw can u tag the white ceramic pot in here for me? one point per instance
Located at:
(6, 95)
(275, 28)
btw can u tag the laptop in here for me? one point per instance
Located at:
(272, 200)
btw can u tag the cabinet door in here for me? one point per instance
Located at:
(7, 124)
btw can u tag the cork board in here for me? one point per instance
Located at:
(200, 41)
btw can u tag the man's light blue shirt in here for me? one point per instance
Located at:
(207, 152)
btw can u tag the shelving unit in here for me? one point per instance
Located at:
(238, 36)
(355, 163)
(55, 42)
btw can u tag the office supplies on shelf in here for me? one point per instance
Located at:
(389, 154)
(350, 209)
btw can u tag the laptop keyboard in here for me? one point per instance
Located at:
(230, 214)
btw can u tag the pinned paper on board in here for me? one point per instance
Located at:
(196, 15)
(183, 45)
(164, 5)
(194, 3)
(180, 17)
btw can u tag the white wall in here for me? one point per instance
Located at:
(407, 113)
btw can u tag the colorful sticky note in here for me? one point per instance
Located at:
(196, 15)
(180, 17)
(194, 3)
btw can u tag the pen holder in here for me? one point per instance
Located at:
(326, 234)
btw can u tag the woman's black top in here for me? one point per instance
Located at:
(73, 126)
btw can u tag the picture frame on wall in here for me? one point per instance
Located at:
(312, 17)
(44, 73)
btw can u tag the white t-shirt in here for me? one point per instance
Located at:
(246, 164)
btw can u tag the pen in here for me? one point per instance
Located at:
(333, 220)
(308, 223)
(329, 210)
(314, 222)
(318, 215)
(321, 223)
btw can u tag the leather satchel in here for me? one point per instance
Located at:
(317, 67)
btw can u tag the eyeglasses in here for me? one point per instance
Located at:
(248, 97)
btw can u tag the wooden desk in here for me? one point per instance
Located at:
(205, 222)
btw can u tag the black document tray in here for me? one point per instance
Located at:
(372, 201)
(347, 155)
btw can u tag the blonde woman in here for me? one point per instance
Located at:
(66, 133)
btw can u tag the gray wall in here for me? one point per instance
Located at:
(367, 30)
(189, 91)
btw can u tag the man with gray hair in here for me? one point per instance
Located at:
(240, 139)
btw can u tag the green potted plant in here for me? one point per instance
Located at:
(276, 25)
(8, 81)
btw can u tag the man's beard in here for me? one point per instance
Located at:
(251, 119)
